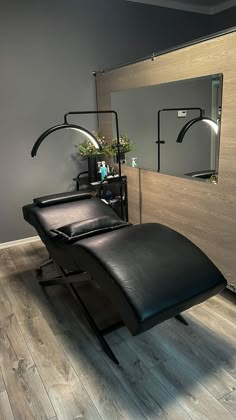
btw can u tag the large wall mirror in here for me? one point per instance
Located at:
(175, 127)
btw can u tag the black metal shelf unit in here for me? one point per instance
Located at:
(112, 190)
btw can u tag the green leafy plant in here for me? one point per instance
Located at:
(125, 144)
(87, 149)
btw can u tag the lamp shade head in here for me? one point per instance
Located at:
(213, 124)
(90, 136)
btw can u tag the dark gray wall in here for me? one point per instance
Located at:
(48, 51)
(223, 20)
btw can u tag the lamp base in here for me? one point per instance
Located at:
(92, 169)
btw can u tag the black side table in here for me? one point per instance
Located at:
(112, 190)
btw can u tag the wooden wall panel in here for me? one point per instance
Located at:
(133, 193)
(204, 212)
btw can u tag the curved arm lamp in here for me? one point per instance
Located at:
(83, 130)
(51, 130)
(87, 133)
(213, 124)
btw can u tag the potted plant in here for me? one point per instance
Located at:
(87, 150)
(107, 150)
(125, 146)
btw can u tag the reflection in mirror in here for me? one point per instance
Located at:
(175, 126)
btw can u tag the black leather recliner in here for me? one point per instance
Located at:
(150, 272)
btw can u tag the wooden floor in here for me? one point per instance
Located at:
(51, 367)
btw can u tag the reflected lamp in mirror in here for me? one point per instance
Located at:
(213, 124)
(182, 112)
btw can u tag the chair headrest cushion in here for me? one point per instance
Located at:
(88, 227)
(51, 200)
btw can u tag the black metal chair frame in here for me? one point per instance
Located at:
(99, 333)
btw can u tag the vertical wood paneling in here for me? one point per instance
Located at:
(133, 193)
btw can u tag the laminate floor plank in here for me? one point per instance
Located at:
(229, 402)
(17, 289)
(2, 385)
(204, 368)
(44, 299)
(216, 346)
(106, 391)
(68, 396)
(23, 257)
(6, 309)
(39, 251)
(115, 337)
(19, 282)
(44, 296)
(5, 407)
(221, 306)
(150, 396)
(189, 393)
(148, 349)
(6, 264)
(23, 384)
(216, 322)
(22, 287)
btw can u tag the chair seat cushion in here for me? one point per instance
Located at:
(150, 272)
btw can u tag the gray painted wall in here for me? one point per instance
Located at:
(48, 51)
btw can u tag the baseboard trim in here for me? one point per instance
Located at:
(19, 242)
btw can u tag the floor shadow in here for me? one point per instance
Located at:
(198, 349)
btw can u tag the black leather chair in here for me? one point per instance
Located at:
(150, 272)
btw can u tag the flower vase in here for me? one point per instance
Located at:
(92, 169)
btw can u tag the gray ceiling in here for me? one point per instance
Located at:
(198, 6)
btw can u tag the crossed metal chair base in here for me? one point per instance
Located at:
(100, 333)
